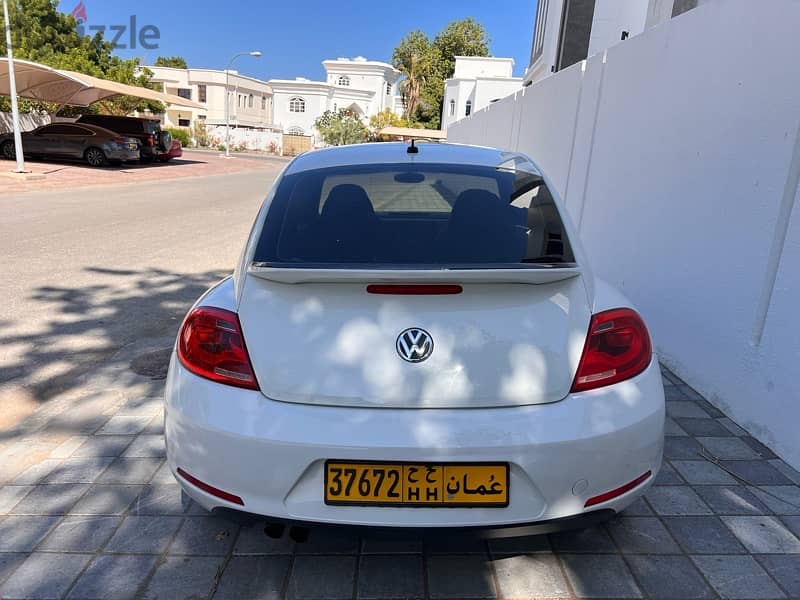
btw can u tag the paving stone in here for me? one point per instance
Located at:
(391, 578)
(709, 408)
(731, 500)
(330, 541)
(9, 562)
(600, 576)
(103, 445)
(107, 500)
(204, 536)
(36, 473)
(689, 392)
(66, 448)
(686, 408)
(10, 495)
(163, 475)
(793, 523)
(639, 508)
(672, 428)
(390, 545)
(728, 448)
(704, 427)
(785, 570)
(460, 576)
(731, 426)
(703, 535)
(78, 470)
(530, 544)
(44, 576)
(80, 534)
(737, 577)
(703, 472)
(131, 470)
(594, 540)
(669, 577)
(155, 426)
(161, 500)
(144, 535)
(676, 448)
(146, 446)
(141, 407)
(781, 466)
(22, 534)
(184, 577)
(676, 500)
(528, 576)
(255, 578)
(759, 448)
(781, 499)
(642, 535)
(253, 540)
(674, 394)
(756, 472)
(763, 535)
(667, 475)
(54, 499)
(455, 545)
(117, 577)
(124, 425)
(322, 578)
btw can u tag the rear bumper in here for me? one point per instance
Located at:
(272, 454)
(124, 155)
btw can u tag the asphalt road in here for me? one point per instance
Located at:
(87, 272)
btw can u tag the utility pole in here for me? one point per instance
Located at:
(12, 81)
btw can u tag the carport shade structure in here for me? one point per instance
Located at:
(46, 84)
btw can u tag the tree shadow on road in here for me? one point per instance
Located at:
(92, 326)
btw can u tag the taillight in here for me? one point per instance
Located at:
(211, 345)
(617, 348)
(150, 139)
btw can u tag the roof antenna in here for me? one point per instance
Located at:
(412, 149)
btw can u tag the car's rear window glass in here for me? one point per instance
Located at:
(416, 216)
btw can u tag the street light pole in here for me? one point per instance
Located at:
(12, 82)
(254, 53)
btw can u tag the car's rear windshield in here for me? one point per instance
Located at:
(413, 216)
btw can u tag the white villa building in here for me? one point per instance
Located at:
(366, 87)
(477, 82)
(250, 99)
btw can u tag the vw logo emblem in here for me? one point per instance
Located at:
(414, 345)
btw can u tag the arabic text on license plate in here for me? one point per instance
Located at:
(416, 484)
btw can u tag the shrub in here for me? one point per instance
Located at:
(200, 133)
(181, 135)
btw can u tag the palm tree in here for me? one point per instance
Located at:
(412, 58)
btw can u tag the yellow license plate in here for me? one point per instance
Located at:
(416, 484)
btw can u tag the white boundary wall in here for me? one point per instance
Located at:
(678, 155)
(28, 121)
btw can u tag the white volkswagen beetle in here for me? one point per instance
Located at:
(414, 339)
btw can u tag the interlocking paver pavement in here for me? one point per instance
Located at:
(98, 514)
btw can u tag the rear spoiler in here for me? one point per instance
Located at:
(532, 275)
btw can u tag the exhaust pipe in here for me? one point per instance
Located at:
(274, 530)
(299, 534)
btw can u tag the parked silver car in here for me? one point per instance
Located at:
(96, 145)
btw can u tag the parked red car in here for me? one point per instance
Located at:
(175, 151)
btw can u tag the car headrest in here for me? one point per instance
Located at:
(478, 208)
(347, 201)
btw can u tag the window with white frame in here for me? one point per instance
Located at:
(538, 31)
(452, 107)
(343, 80)
(297, 104)
(388, 89)
(250, 101)
(263, 103)
(469, 108)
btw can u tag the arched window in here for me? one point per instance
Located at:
(452, 107)
(469, 108)
(250, 101)
(343, 80)
(263, 103)
(297, 105)
(295, 131)
(388, 89)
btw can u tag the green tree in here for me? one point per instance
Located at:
(386, 118)
(414, 58)
(40, 33)
(426, 65)
(341, 128)
(176, 62)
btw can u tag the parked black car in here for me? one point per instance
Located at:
(152, 140)
(96, 145)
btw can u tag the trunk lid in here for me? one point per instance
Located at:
(511, 337)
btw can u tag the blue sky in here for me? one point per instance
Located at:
(296, 35)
